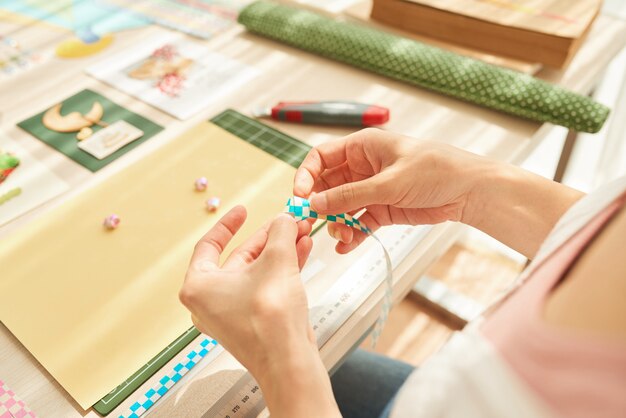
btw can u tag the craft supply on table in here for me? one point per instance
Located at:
(8, 164)
(545, 31)
(273, 142)
(90, 129)
(11, 405)
(173, 376)
(201, 18)
(11, 194)
(326, 113)
(425, 66)
(177, 75)
(86, 18)
(79, 48)
(213, 204)
(15, 59)
(114, 398)
(111, 222)
(25, 182)
(109, 139)
(74, 121)
(134, 273)
(201, 184)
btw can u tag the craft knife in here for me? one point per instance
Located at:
(326, 113)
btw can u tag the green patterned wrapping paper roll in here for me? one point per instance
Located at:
(425, 66)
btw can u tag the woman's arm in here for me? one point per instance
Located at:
(298, 385)
(516, 207)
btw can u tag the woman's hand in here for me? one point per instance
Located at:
(255, 305)
(400, 180)
(396, 179)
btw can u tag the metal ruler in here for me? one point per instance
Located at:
(244, 399)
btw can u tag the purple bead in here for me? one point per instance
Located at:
(213, 204)
(111, 222)
(201, 184)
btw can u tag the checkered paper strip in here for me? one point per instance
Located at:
(147, 400)
(11, 406)
(300, 209)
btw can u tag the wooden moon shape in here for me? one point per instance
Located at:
(72, 122)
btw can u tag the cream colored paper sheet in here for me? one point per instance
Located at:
(566, 18)
(93, 305)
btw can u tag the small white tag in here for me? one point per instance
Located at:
(108, 140)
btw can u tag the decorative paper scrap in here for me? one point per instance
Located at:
(79, 48)
(85, 16)
(176, 75)
(201, 18)
(26, 185)
(11, 406)
(147, 400)
(108, 140)
(14, 58)
(301, 210)
(8, 164)
(62, 126)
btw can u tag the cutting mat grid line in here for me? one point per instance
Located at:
(276, 143)
(272, 141)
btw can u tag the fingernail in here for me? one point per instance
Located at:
(285, 215)
(319, 202)
(337, 234)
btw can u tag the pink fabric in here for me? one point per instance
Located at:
(576, 375)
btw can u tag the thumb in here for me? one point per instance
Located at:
(349, 196)
(281, 239)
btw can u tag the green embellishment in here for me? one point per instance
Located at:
(10, 195)
(8, 163)
(425, 66)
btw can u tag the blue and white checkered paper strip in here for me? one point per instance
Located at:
(301, 210)
(164, 384)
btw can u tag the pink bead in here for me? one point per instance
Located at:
(213, 204)
(111, 222)
(201, 184)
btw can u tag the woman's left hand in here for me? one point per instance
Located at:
(255, 306)
(255, 300)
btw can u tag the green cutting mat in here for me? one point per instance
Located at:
(276, 143)
(67, 142)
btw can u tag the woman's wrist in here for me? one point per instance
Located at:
(297, 383)
(515, 206)
(488, 179)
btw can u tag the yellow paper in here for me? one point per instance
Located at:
(92, 305)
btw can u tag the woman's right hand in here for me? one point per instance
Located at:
(396, 179)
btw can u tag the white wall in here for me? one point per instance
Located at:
(598, 158)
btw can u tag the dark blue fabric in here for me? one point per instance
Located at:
(365, 385)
